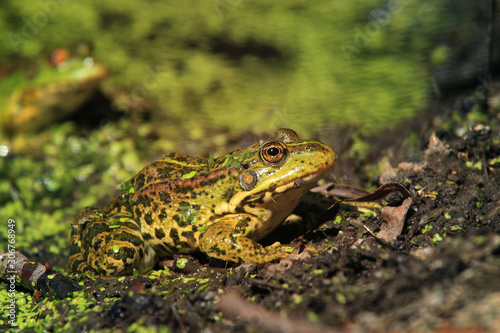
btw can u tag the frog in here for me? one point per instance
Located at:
(37, 92)
(220, 207)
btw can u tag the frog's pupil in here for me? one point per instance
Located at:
(273, 151)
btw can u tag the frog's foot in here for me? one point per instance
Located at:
(114, 247)
(222, 242)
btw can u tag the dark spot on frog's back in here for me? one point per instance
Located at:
(174, 234)
(163, 173)
(180, 220)
(144, 200)
(184, 204)
(183, 189)
(163, 214)
(181, 158)
(138, 212)
(189, 235)
(148, 217)
(214, 180)
(159, 233)
(139, 181)
(165, 197)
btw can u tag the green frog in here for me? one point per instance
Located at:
(35, 93)
(180, 204)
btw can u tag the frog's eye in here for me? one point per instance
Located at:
(57, 57)
(273, 152)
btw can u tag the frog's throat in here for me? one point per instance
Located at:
(300, 185)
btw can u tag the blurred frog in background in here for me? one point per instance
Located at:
(35, 93)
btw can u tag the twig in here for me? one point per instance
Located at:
(34, 276)
(232, 305)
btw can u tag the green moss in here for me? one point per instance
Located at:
(45, 189)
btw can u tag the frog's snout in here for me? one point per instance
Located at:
(327, 155)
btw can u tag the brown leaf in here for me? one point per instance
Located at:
(137, 287)
(332, 190)
(379, 193)
(394, 218)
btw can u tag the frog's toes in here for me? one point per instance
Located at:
(220, 243)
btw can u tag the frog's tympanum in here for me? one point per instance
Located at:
(35, 93)
(183, 204)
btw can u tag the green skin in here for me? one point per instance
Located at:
(39, 92)
(183, 204)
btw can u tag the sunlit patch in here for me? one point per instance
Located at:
(88, 62)
(4, 150)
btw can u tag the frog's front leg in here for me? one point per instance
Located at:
(229, 239)
(108, 246)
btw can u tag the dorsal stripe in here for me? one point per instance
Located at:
(175, 185)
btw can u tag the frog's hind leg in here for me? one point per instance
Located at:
(111, 247)
(77, 261)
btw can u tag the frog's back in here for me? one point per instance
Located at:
(168, 169)
(173, 201)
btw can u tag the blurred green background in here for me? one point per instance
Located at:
(239, 66)
(200, 76)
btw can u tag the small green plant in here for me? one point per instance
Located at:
(437, 238)
(426, 229)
